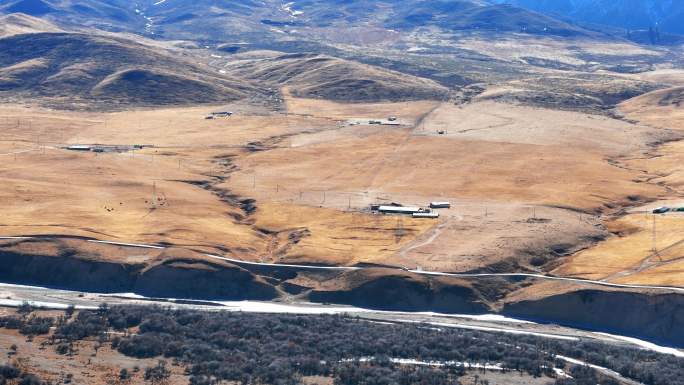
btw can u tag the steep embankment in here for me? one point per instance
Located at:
(171, 273)
(391, 289)
(66, 271)
(650, 315)
(84, 266)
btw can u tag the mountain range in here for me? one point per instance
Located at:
(351, 50)
(667, 15)
(221, 19)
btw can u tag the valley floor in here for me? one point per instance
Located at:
(103, 362)
(528, 186)
(532, 191)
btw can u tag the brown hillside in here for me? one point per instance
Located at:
(103, 71)
(319, 76)
(662, 108)
(19, 23)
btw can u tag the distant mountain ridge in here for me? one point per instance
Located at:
(77, 69)
(221, 19)
(667, 15)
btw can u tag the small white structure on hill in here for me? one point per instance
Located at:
(79, 147)
(440, 205)
(426, 214)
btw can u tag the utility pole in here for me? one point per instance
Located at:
(655, 247)
(154, 194)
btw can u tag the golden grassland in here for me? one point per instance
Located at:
(662, 108)
(146, 195)
(510, 172)
(647, 248)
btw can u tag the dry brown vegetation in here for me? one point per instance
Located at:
(318, 76)
(91, 363)
(523, 181)
(528, 185)
(510, 171)
(174, 192)
(17, 23)
(505, 169)
(662, 108)
(541, 175)
(98, 71)
(638, 254)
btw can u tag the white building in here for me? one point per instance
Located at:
(440, 205)
(399, 209)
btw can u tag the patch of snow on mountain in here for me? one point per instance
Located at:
(287, 7)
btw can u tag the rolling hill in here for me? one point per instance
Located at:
(319, 76)
(405, 15)
(114, 15)
(662, 108)
(106, 71)
(30, 7)
(19, 23)
(466, 15)
(178, 19)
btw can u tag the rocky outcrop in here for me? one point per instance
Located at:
(656, 317)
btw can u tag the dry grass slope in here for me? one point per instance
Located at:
(19, 23)
(324, 77)
(662, 108)
(63, 68)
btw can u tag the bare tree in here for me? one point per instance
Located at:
(158, 375)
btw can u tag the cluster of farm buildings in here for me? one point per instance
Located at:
(414, 211)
